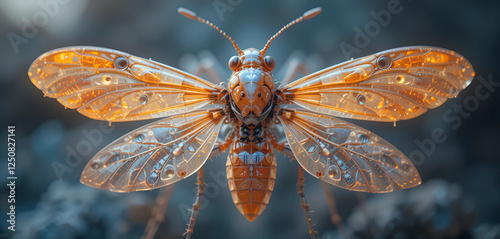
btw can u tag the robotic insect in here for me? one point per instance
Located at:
(110, 85)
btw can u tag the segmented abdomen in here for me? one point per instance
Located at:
(251, 171)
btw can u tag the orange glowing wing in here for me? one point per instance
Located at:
(115, 86)
(391, 85)
(346, 155)
(157, 154)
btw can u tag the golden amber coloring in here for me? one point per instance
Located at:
(251, 171)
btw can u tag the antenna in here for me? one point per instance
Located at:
(307, 15)
(192, 15)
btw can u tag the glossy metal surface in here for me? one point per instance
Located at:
(111, 85)
(251, 172)
(251, 87)
(346, 155)
(392, 85)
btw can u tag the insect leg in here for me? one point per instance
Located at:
(222, 146)
(303, 202)
(296, 64)
(332, 205)
(366, 214)
(204, 65)
(282, 147)
(196, 205)
(158, 212)
(285, 149)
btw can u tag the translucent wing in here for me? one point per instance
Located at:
(346, 155)
(111, 85)
(155, 155)
(391, 85)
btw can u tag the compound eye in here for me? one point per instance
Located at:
(234, 63)
(269, 63)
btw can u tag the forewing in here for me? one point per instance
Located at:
(114, 86)
(155, 155)
(392, 85)
(346, 155)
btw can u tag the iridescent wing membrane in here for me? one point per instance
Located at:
(346, 155)
(392, 85)
(157, 154)
(115, 86)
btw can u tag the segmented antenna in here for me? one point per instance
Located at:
(192, 15)
(307, 15)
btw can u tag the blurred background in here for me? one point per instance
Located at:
(460, 193)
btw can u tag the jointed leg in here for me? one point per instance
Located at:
(366, 214)
(196, 205)
(282, 147)
(157, 216)
(205, 64)
(295, 66)
(298, 64)
(332, 205)
(220, 147)
(285, 149)
(158, 212)
(303, 202)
